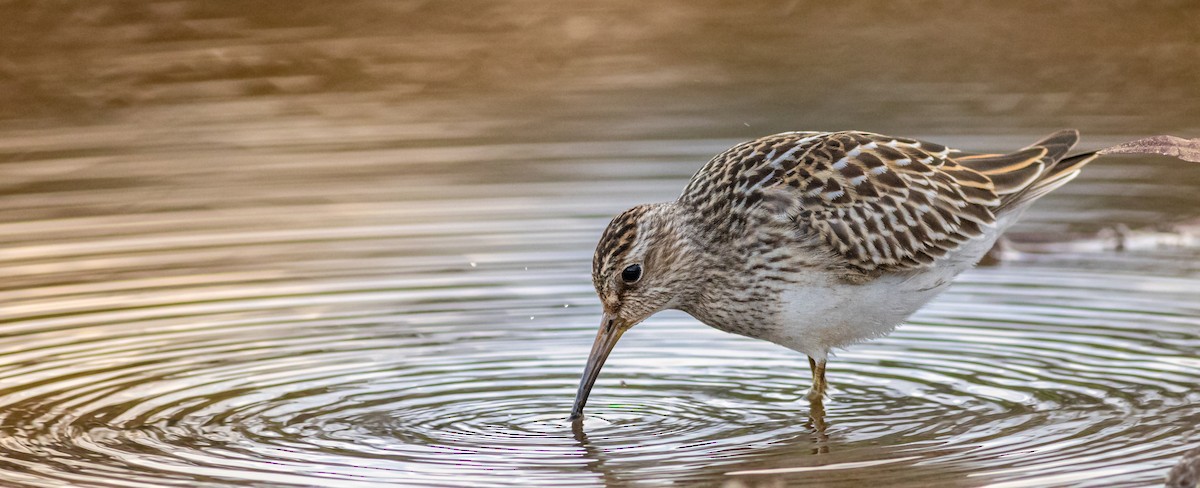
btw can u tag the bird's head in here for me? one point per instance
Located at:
(639, 262)
(644, 263)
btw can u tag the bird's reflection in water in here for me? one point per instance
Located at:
(598, 460)
(818, 425)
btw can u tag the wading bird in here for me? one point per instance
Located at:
(819, 240)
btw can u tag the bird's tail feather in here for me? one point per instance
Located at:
(1060, 170)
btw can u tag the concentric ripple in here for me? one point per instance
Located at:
(334, 332)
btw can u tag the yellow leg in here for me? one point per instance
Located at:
(816, 410)
(818, 379)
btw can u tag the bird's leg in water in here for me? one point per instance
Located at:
(816, 406)
(818, 379)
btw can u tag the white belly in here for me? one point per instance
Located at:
(828, 313)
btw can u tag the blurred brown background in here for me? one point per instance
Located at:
(583, 70)
(316, 243)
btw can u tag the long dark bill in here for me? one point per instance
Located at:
(610, 331)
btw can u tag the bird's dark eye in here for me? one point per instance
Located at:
(632, 273)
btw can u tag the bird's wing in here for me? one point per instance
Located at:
(882, 203)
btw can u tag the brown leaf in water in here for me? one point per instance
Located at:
(1185, 149)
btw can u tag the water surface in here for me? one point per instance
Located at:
(350, 246)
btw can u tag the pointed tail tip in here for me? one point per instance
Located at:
(1058, 144)
(1068, 134)
(1178, 147)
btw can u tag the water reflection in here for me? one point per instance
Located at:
(348, 245)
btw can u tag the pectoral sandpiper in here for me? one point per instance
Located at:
(819, 240)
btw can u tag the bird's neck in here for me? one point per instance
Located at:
(726, 277)
(701, 277)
